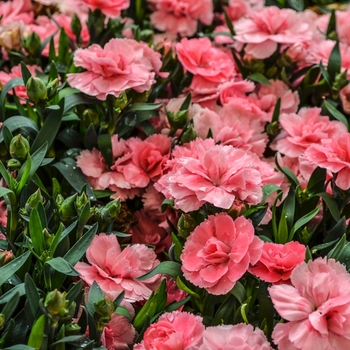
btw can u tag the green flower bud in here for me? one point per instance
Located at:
(67, 208)
(33, 201)
(55, 301)
(186, 225)
(72, 329)
(189, 135)
(273, 129)
(2, 321)
(81, 201)
(104, 307)
(13, 164)
(19, 147)
(32, 44)
(178, 120)
(121, 101)
(109, 212)
(36, 89)
(90, 116)
(52, 87)
(76, 25)
(48, 237)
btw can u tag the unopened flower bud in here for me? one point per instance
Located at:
(186, 225)
(111, 211)
(104, 307)
(13, 164)
(121, 101)
(72, 329)
(90, 116)
(67, 208)
(36, 89)
(32, 43)
(5, 257)
(178, 120)
(19, 147)
(52, 87)
(33, 201)
(55, 301)
(189, 135)
(76, 25)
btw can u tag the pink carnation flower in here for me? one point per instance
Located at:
(116, 270)
(3, 216)
(278, 261)
(173, 331)
(122, 64)
(118, 334)
(304, 129)
(110, 8)
(15, 11)
(203, 172)
(264, 30)
(317, 306)
(333, 155)
(239, 337)
(344, 95)
(181, 16)
(16, 72)
(218, 253)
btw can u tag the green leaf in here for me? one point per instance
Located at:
(229, 24)
(119, 299)
(303, 221)
(37, 334)
(105, 146)
(25, 73)
(331, 204)
(61, 265)
(239, 292)
(332, 24)
(23, 175)
(5, 191)
(176, 305)
(7, 135)
(48, 132)
(259, 78)
(170, 268)
(266, 309)
(297, 5)
(9, 86)
(282, 233)
(12, 267)
(36, 232)
(70, 339)
(23, 124)
(63, 48)
(10, 307)
(268, 190)
(4, 174)
(95, 295)
(136, 107)
(178, 246)
(68, 168)
(78, 99)
(322, 246)
(317, 181)
(167, 202)
(276, 111)
(74, 291)
(185, 288)
(334, 62)
(336, 252)
(224, 314)
(20, 289)
(79, 248)
(344, 256)
(102, 193)
(32, 295)
(288, 173)
(335, 113)
(120, 310)
(56, 240)
(20, 347)
(186, 103)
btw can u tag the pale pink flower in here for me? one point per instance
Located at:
(173, 293)
(239, 337)
(269, 94)
(11, 35)
(118, 334)
(116, 270)
(264, 30)
(304, 129)
(205, 61)
(173, 331)
(207, 173)
(16, 10)
(218, 253)
(317, 304)
(278, 261)
(110, 8)
(17, 73)
(333, 155)
(147, 161)
(181, 16)
(122, 64)
(245, 132)
(344, 95)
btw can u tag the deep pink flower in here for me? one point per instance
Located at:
(173, 331)
(17, 73)
(147, 161)
(122, 64)
(116, 270)
(264, 30)
(118, 334)
(344, 95)
(317, 306)
(203, 172)
(181, 16)
(304, 129)
(110, 8)
(15, 11)
(174, 293)
(333, 155)
(218, 252)
(3, 215)
(239, 337)
(278, 261)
